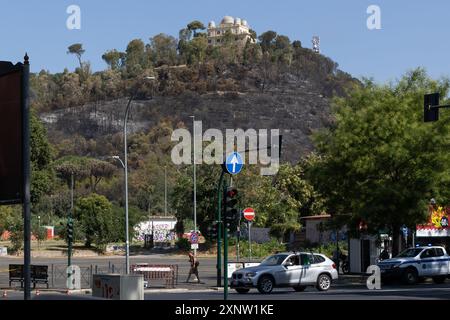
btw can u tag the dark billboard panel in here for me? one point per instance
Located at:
(11, 190)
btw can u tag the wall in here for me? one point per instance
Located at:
(161, 230)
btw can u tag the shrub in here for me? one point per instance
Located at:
(183, 244)
(259, 250)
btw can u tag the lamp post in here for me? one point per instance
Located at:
(39, 232)
(125, 166)
(165, 191)
(195, 183)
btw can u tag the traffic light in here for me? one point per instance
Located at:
(231, 212)
(431, 114)
(213, 230)
(70, 229)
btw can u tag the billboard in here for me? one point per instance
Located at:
(11, 171)
(438, 223)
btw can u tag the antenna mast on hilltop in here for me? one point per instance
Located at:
(316, 44)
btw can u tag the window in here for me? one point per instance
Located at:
(306, 259)
(274, 260)
(218, 40)
(218, 32)
(292, 261)
(439, 252)
(318, 259)
(209, 41)
(429, 253)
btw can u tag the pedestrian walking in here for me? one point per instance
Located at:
(194, 267)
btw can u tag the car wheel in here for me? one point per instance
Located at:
(265, 284)
(242, 290)
(299, 288)
(323, 282)
(410, 276)
(439, 280)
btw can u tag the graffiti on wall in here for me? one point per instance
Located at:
(162, 231)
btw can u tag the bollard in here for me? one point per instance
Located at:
(5, 294)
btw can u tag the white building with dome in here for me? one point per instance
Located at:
(238, 27)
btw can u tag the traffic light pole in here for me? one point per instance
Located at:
(225, 256)
(70, 223)
(219, 230)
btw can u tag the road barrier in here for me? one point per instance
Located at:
(151, 272)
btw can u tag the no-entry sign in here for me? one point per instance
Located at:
(249, 214)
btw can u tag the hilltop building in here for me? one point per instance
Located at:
(237, 26)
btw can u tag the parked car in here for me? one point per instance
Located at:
(296, 270)
(415, 263)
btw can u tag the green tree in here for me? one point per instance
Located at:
(96, 218)
(77, 50)
(114, 59)
(163, 49)
(267, 40)
(42, 175)
(135, 57)
(380, 163)
(194, 26)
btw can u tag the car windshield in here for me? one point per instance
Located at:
(409, 253)
(274, 260)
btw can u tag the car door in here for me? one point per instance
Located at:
(289, 274)
(440, 266)
(307, 270)
(427, 262)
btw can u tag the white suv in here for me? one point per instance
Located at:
(296, 270)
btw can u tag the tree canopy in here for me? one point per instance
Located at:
(380, 163)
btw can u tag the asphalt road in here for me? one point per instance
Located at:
(345, 290)
(398, 292)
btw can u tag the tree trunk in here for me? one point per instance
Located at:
(395, 240)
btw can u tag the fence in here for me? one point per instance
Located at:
(57, 274)
(156, 275)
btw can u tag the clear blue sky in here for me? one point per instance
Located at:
(414, 32)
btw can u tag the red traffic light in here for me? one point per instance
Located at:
(231, 192)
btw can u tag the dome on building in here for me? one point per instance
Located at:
(227, 19)
(237, 21)
(244, 23)
(211, 24)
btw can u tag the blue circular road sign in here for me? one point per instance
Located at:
(234, 163)
(194, 237)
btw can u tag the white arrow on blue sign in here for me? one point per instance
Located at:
(234, 163)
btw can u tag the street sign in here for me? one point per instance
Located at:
(249, 214)
(194, 246)
(11, 133)
(234, 163)
(194, 238)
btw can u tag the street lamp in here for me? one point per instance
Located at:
(195, 183)
(39, 232)
(125, 166)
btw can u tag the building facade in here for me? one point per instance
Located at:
(239, 28)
